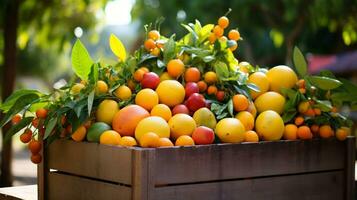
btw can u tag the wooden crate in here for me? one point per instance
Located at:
(316, 169)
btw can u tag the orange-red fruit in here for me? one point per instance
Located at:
(202, 86)
(203, 135)
(192, 74)
(149, 44)
(299, 121)
(304, 133)
(36, 158)
(212, 90)
(181, 108)
(35, 122)
(41, 113)
(240, 102)
(223, 22)
(16, 119)
(317, 111)
(233, 35)
(218, 31)
(154, 34)
(220, 95)
(26, 136)
(326, 131)
(175, 68)
(34, 146)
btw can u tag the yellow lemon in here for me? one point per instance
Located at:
(153, 124)
(230, 130)
(260, 80)
(106, 111)
(281, 77)
(270, 101)
(161, 110)
(247, 119)
(269, 125)
(123, 92)
(181, 124)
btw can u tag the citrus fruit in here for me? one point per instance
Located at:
(218, 31)
(304, 133)
(153, 124)
(203, 135)
(212, 90)
(154, 34)
(223, 22)
(123, 92)
(303, 107)
(240, 102)
(165, 76)
(96, 130)
(315, 128)
(175, 68)
(192, 74)
(220, 95)
(341, 134)
(247, 119)
(41, 113)
(270, 101)
(269, 125)
(76, 88)
(26, 136)
(109, 137)
(36, 158)
(149, 44)
(79, 134)
(181, 124)
(299, 121)
(233, 35)
(210, 77)
(127, 141)
(326, 131)
(34, 146)
(147, 98)
(139, 74)
(251, 108)
(184, 140)
(290, 132)
(212, 38)
(161, 110)
(281, 77)
(149, 139)
(106, 111)
(101, 87)
(165, 142)
(202, 86)
(260, 80)
(171, 92)
(251, 136)
(16, 119)
(205, 117)
(126, 120)
(230, 130)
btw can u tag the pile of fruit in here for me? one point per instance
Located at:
(190, 91)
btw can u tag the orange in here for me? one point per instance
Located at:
(251, 108)
(36, 158)
(145, 69)
(220, 95)
(149, 44)
(202, 86)
(155, 51)
(153, 124)
(154, 34)
(269, 125)
(326, 131)
(165, 76)
(41, 113)
(161, 110)
(301, 83)
(165, 142)
(315, 128)
(281, 77)
(234, 35)
(211, 90)
(126, 120)
(304, 133)
(149, 139)
(240, 102)
(147, 98)
(290, 132)
(35, 122)
(139, 74)
(170, 92)
(341, 134)
(218, 31)
(175, 68)
(230, 130)
(251, 136)
(184, 140)
(123, 92)
(101, 87)
(302, 90)
(79, 134)
(223, 39)
(234, 47)
(310, 112)
(303, 107)
(223, 22)
(26, 136)
(247, 120)
(34, 146)
(16, 119)
(212, 38)
(192, 74)
(210, 77)
(317, 111)
(109, 137)
(127, 141)
(299, 121)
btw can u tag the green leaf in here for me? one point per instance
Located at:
(204, 32)
(169, 49)
(19, 105)
(221, 69)
(299, 62)
(9, 102)
(160, 64)
(325, 106)
(324, 83)
(81, 60)
(191, 31)
(50, 126)
(253, 87)
(16, 128)
(117, 47)
(93, 75)
(230, 107)
(287, 116)
(90, 102)
(208, 59)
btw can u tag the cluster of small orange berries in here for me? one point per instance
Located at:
(218, 33)
(152, 44)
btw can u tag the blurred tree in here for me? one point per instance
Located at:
(270, 28)
(38, 27)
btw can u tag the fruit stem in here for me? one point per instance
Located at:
(229, 11)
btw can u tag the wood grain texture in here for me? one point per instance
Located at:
(350, 156)
(232, 161)
(93, 160)
(61, 186)
(317, 186)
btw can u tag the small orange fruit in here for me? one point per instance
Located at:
(79, 134)
(154, 34)
(123, 92)
(145, 69)
(315, 129)
(301, 83)
(303, 107)
(317, 111)
(36, 158)
(139, 74)
(341, 134)
(240, 102)
(302, 90)
(234, 35)
(212, 90)
(220, 95)
(149, 139)
(35, 122)
(310, 112)
(175, 68)
(41, 113)
(161, 110)
(101, 87)
(251, 136)
(202, 86)
(210, 77)
(234, 47)
(109, 137)
(26, 136)
(184, 140)
(247, 119)
(16, 119)
(212, 38)
(165, 142)
(218, 31)
(131, 84)
(192, 74)
(127, 141)
(299, 120)
(290, 132)
(304, 133)
(34, 146)
(334, 109)
(149, 44)
(147, 98)
(155, 51)
(326, 131)
(223, 22)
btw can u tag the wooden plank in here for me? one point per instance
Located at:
(28, 192)
(142, 173)
(61, 186)
(93, 160)
(325, 185)
(42, 172)
(232, 161)
(350, 168)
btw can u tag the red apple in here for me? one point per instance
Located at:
(180, 109)
(190, 88)
(195, 102)
(150, 80)
(203, 135)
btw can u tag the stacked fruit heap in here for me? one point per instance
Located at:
(192, 91)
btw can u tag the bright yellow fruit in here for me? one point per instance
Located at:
(76, 88)
(152, 124)
(127, 141)
(147, 98)
(165, 76)
(161, 110)
(181, 124)
(101, 87)
(204, 117)
(260, 80)
(270, 101)
(110, 137)
(106, 111)
(123, 92)
(281, 77)
(230, 130)
(269, 125)
(171, 92)
(247, 119)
